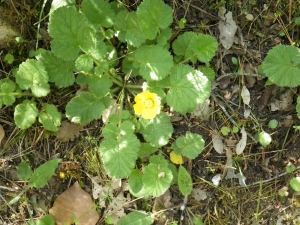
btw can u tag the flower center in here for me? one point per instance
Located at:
(149, 103)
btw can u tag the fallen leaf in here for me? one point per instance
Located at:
(288, 121)
(245, 95)
(217, 142)
(2, 133)
(202, 111)
(240, 147)
(117, 206)
(163, 202)
(227, 28)
(74, 205)
(114, 108)
(199, 194)
(217, 179)
(247, 112)
(250, 79)
(68, 131)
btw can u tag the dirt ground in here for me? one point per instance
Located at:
(232, 202)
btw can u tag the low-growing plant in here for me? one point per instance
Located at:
(124, 59)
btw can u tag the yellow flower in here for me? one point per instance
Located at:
(147, 105)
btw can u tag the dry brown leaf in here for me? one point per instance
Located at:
(2, 133)
(68, 131)
(74, 204)
(217, 142)
(114, 108)
(199, 194)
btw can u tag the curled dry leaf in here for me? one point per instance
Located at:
(217, 142)
(114, 108)
(68, 131)
(240, 147)
(245, 95)
(227, 28)
(2, 133)
(74, 204)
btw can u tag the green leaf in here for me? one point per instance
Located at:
(84, 63)
(182, 42)
(98, 12)
(282, 66)
(146, 150)
(119, 156)
(164, 36)
(46, 220)
(86, 107)
(189, 88)
(24, 171)
(69, 30)
(25, 114)
(225, 130)
(135, 183)
(43, 173)
(9, 58)
(197, 221)
(32, 74)
(59, 3)
(190, 145)
(295, 184)
(157, 131)
(99, 86)
(156, 179)
(110, 131)
(173, 168)
(159, 160)
(98, 50)
(290, 168)
(192, 46)
(208, 72)
(154, 62)
(152, 15)
(128, 24)
(50, 117)
(185, 182)
(59, 71)
(136, 218)
(7, 88)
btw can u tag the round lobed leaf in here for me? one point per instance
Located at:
(86, 107)
(154, 62)
(282, 66)
(157, 131)
(157, 179)
(190, 145)
(25, 114)
(189, 88)
(119, 156)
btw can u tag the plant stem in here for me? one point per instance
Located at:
(134, 86)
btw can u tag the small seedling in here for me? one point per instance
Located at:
(9, 58)
(290, 168)
(283, 192)
(295, 184)
(182, 23)
(225, 130)
(19, 39)
(273, 124)
(109, 220)
(264, 138)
